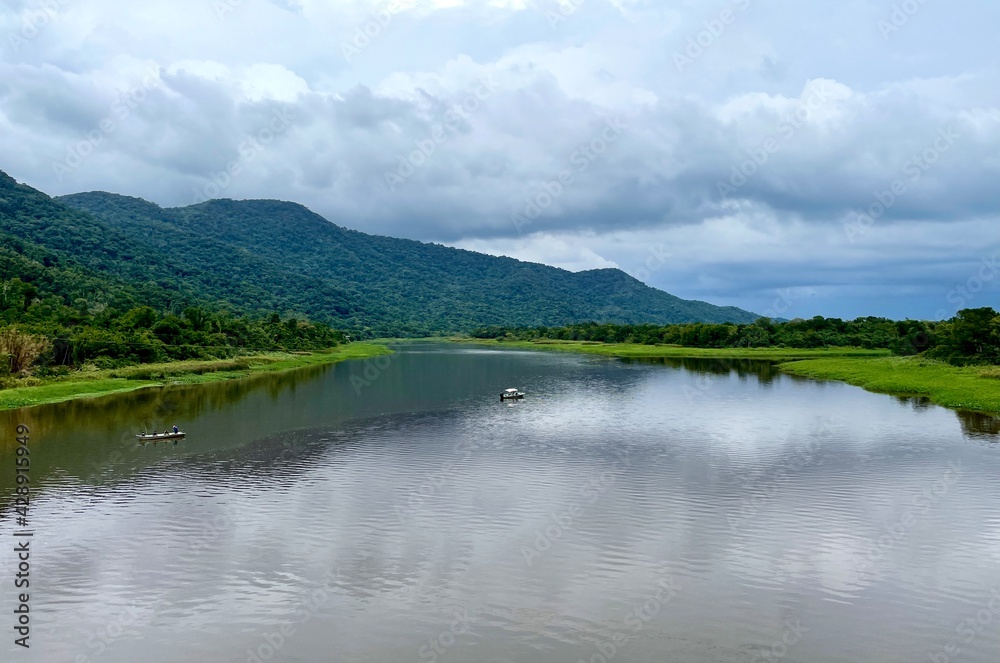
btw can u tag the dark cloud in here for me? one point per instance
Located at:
(763, 158)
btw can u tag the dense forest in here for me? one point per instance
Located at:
(106, 280)
(972, 336)
(41, 334)
(259, 256)
(61, 308)
(265, 255)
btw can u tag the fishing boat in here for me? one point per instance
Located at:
(156, 437)
(511, 393)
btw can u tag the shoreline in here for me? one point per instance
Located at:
(639, 351)
(972, 388)
(140, 376)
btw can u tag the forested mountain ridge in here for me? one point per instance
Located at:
(218, 270)
(392, 286)
(262, 256)
(59, 250)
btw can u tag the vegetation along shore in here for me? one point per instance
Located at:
(99, 382)
(954, 363)
(963, 387)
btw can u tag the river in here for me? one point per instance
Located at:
(394, 510)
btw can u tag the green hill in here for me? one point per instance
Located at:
(56, 249)
(262, 256)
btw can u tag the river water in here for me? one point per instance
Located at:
(395, 510)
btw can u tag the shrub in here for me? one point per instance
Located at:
(21, 349)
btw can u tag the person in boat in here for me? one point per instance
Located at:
(176, 430)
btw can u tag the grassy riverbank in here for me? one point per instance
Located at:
(637, 350)
(82, 384)
(966, 387)
(971, 387)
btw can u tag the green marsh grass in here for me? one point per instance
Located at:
(964, 387)
(86, 384)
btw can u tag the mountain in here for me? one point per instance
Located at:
(58, 250)
(265, 255)
(352, 279)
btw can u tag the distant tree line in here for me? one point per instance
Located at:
(42, 332)
(972, 336)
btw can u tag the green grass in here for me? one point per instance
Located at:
(82, 384)
(637, 350)
(966, 387)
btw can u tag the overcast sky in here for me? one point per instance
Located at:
(795, 158)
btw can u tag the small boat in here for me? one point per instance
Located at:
(156, 437)
(510, 394)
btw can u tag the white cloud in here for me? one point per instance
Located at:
(566, 252)
(846, 119)
(255, 82)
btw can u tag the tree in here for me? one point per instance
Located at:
(970, 331)
(16, 295)
(973, 335)
(197, 317)
(142, 317)
(168, 328)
